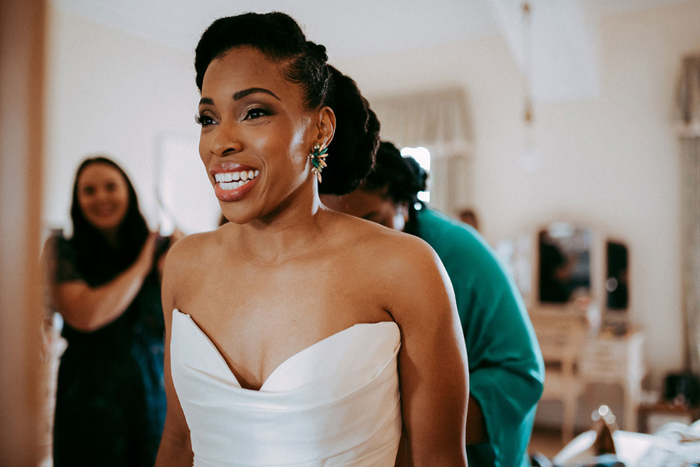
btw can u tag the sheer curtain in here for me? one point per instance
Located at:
(437, 120)
(688, 100)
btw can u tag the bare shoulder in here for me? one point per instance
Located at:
(351, 229)
(395, 249)
(399, 263)
(195, 246)
(189, 256)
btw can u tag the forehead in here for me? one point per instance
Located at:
(99, 172)
(244, 68)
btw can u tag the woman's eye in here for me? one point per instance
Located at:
(204, 120)
(256, 112)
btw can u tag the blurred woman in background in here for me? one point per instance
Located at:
(105, 283)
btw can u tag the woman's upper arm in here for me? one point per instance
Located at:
(175, 448)
(433, 367)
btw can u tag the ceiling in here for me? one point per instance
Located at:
(564, 33)
(348, 28)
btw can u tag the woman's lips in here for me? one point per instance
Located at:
(233, 181)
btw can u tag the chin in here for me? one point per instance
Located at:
(105, 225)
(236, 214)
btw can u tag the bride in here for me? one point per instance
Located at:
(296, 335)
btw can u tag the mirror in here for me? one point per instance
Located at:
(617, 277)
(564, 263)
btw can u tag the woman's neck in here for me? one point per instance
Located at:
(290, 231)
(111, 236)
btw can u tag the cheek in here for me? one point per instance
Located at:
(83, 202)
(299, 142)
(124, 200)
(299, 146)
(204, 154)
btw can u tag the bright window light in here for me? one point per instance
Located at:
(422, 156)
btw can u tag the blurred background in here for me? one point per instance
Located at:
(530, 113)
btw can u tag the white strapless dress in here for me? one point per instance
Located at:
(335, 403)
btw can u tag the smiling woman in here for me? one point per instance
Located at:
(296, 335)
(105, 282)
(103, 197)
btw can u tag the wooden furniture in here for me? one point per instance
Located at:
(574, 358)
(610, 359)
(561, 339)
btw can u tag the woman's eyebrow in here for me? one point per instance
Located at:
(247, 92)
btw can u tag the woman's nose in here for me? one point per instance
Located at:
(101, 195)
(225, 140)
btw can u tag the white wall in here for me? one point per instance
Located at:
(113, 93)
(611, 162)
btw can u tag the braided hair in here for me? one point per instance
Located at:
(399, 178)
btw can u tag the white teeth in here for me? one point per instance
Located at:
(233, 180)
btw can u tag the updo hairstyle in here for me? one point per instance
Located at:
(353, 149)
(398, 178)
(279, 37)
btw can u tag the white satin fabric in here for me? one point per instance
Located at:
(335, 403)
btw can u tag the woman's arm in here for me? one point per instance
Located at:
(433, 368)
(175, 446)
(88, 308)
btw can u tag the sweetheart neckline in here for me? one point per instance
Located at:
(284, 362)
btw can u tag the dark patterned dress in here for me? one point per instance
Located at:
(110, 395)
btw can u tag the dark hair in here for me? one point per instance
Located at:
(90, 244)
(399, 178)
(279, 37)
(352, 151)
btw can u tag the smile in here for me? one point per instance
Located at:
(232, 180)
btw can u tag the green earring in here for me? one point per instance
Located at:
(318, 157)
